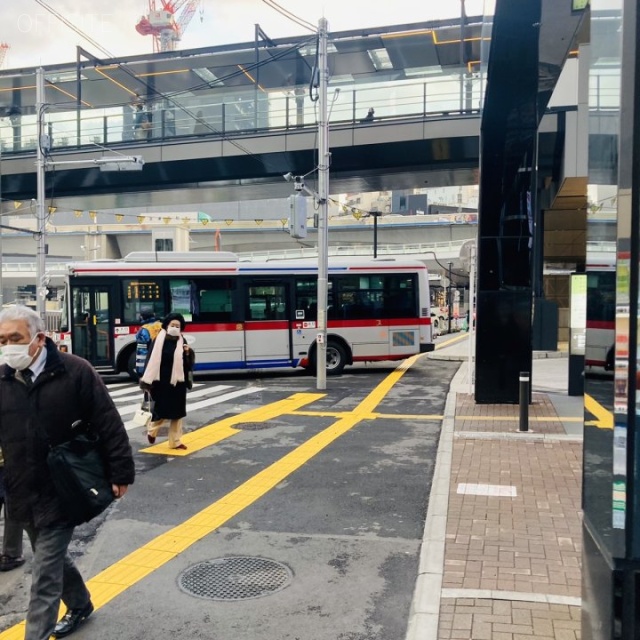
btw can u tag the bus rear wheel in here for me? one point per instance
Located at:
(336, 359)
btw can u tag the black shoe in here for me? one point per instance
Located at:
(72, 620)
(8, 563)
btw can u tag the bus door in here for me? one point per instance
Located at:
(267, 328)
(91, 332)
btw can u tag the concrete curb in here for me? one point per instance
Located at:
(425, 606)
(536, 355)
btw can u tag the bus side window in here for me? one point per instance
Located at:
(257, 308)
(213, 299)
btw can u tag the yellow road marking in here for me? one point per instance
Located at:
(321, 414)
(140, 563)
(446, 343)
(217, 431)
(373, 416)
(604, 417)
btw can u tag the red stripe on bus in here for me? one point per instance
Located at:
(258, 270)
(145, 271)
(390, 322)
(266, 325)
(608, 325)
(275, 325)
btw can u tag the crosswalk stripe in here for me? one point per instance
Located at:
(206, 403)
(223, 398)
(134, 388)
(136, 394)
(118, 385)
(132, 408)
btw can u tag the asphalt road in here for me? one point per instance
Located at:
(318, 510)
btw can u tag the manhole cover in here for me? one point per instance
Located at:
(235, 578)
(252, 426)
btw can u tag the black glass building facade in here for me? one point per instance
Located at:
(611, 497)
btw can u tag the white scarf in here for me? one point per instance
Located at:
(152, 371)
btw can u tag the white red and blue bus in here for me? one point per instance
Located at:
(248, 315)
(601, 316)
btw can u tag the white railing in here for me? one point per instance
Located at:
(445, 249)
(13, 268)
(250, 112)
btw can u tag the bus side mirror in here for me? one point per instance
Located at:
(63, 328)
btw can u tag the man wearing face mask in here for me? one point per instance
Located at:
(167, 378)
(42, 393)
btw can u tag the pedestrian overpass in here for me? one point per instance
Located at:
(228, 122)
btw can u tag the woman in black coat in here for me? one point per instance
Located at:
(167, 378)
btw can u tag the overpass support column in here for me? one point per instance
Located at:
(505, 229)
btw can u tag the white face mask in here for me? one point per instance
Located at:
(174, 331)
(17, 355)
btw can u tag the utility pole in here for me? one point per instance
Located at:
(40, 214)
(323, 205)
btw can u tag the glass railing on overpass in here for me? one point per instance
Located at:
(16, 268)
(246, 113)
(440, 250)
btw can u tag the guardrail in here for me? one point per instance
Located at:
(246, 112)
(12, 268)
(448, 248)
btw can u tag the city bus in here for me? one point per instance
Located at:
(247, 315)
(601, 317)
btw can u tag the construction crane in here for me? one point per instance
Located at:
(165, 25)
(4, 47)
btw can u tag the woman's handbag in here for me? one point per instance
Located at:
(142, 417)
(79, 475)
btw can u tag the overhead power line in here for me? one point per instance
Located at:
(152, 91)
(73, 27)
(291, 16)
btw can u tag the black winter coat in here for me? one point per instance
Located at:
(68, 389)
(170, 401)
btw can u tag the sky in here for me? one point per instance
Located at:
(36, 37)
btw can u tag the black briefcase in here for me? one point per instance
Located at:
(79, 476)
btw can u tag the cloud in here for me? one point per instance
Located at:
(37, 37)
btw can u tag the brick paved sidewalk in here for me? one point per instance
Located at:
(513, 529)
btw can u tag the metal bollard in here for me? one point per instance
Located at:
(524, 401)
